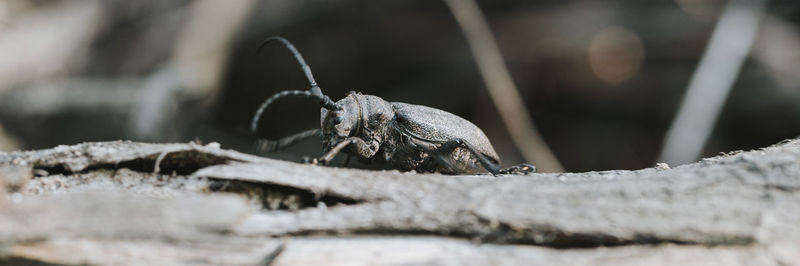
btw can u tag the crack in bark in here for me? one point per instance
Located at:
(274, 197)
(179, 163)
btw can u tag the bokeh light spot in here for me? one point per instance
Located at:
(615, 55)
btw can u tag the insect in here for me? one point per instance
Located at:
(407, 136)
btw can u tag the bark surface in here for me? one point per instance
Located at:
(134, 203)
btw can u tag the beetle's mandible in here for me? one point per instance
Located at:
(407, 136)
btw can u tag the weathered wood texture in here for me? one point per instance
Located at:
(123, 202)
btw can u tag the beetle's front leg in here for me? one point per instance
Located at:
(360, 146)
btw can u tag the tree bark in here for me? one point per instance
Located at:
(133, 203)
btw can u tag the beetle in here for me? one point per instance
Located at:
(407, 136)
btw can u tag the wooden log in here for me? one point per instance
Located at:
(174, 201)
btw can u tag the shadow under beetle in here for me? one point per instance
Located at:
(407, 136)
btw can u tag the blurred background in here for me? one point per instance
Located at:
(602, 80)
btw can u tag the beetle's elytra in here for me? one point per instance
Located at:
(407, 136)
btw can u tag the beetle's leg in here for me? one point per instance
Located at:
(493, 168)
(442, 153)
(265, 145)
(360, 144)
(520, 169)
(448, 147)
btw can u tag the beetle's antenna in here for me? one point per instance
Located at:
(295, 93)
(314, 92)
(274, 145)
(297, 56)
(324, 100)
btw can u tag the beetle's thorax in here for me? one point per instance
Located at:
(363, 116)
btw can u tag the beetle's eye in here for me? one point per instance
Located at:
(337, 120)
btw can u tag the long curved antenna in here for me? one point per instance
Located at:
(297, 56)
(313, 93)
(295, 93)
(274, 145)
(325, 101)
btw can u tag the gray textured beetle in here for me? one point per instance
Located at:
(407, 136)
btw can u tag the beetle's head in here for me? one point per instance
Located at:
(360, 115)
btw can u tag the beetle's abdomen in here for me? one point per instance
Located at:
(439, 126)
